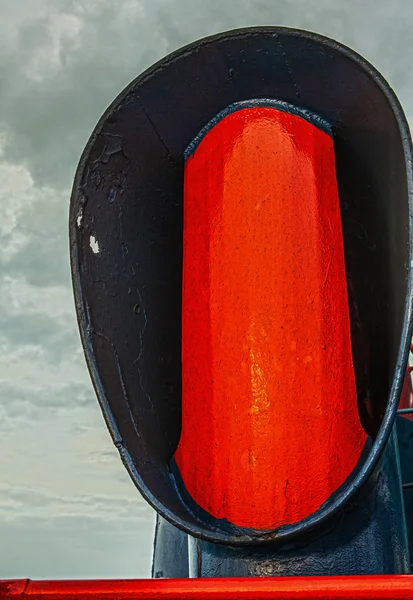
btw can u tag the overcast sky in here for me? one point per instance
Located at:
(67, 507)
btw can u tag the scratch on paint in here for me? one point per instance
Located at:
(120, 374)
(328, 268)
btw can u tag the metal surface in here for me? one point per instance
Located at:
(265, 315)
(282, 588)
(126, 245)
(170, 551)
(368, 538)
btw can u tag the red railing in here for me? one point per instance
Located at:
(399, 587)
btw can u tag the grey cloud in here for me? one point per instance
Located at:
(42, 260)
(48, 250)
(62, 397)
(49, 119)
(23, 407)
(39, 330)
(75, 548)
(84, 506)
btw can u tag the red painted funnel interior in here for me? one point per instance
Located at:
(270, 425)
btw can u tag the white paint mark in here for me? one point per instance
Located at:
(94, 244)
(79, 218)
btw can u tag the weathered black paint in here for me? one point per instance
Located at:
(369, 537)
(170, 551)
(350, 547)
(128, 195)
(405, 439)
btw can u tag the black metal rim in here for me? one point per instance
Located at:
(344, 497)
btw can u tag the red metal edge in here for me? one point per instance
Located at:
(383, 587)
